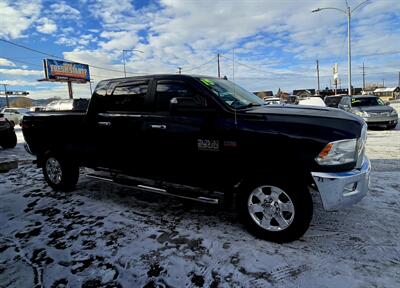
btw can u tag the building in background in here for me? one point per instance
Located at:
(387, 94)
(264, 94)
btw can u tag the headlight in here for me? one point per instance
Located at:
(338, 152)
(393, 113)
(361, 113)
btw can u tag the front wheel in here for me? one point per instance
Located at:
(276, 212)
(60, 173)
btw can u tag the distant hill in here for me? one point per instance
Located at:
(35, 102)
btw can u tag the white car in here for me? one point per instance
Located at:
(313, 101)
(14, 115)
(272, 100)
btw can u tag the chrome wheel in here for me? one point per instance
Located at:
(53, 170)
(271, 208)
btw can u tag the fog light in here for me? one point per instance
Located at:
(349, 188)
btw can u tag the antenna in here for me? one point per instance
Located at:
(233, 77)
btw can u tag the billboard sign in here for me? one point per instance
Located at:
(66, 71)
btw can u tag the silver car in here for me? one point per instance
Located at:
(372, 109)
(14, 115)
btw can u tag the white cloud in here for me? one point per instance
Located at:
(282, 39)
(5, 62)
(17, 16)
(20, 83)
(60, 90)
(46, 26)
(64, 11)
(118, 40)
(21, 72)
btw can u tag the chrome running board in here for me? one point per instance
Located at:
(156, 190)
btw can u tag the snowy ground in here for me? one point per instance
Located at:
(105, 236)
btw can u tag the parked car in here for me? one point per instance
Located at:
(37, 108)
(194, 137)
(272, 100)
(334, 100)
(14, 115)
(80, 104)
(8, 139)
(312, 101)
(372, 109)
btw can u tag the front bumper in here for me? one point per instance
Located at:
(343, 189)
(377, 120)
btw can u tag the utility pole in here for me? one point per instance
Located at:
(349, 50)
(318, 77)
(5, 92)
(383, 83)
(348, 13)
(219, 71)
(363, 77)
(398, 85)
(179, 70)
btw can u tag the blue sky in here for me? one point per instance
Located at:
(275, 43)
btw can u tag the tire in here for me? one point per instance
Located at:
(10, 140)
(390, 127)
(283, 215)
(59, 173)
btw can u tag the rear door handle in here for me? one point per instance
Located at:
(162, 127)
(104, 124)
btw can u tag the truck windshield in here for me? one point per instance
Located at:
(367, 101)
(233, 95)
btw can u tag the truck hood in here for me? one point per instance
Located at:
(374, 109)
(306, 111)
(313, 122)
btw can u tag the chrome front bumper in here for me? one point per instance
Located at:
(381, 119)
(343, 189)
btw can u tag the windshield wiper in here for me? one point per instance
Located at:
(248, 106)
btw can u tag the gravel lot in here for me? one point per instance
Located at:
(105, 236)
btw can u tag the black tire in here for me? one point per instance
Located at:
(391, 126)
(298, 195)
(10, 140)
(66, 175)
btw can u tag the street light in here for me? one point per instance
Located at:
(347, 12)
(123, 56)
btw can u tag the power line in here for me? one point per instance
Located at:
(61, 58)
(37, 65)
(205, 63)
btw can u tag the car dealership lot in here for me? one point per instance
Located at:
(106, 235)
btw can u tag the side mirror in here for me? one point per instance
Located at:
(184, 104)
(345, 107)
(387, 103)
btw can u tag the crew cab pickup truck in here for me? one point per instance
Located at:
(207, 139)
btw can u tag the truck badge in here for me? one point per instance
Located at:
(207, 145)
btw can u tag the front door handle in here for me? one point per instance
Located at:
(104, 124)
(162, 127)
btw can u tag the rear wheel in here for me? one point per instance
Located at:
(59, 173)
(391, 126)
(10, 140)
(276, 212)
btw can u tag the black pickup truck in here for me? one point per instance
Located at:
(209, 140)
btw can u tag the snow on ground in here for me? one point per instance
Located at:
(105, 236)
